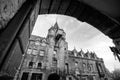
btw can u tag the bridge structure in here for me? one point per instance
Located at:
(17, 19)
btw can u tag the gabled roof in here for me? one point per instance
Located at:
(74, 50)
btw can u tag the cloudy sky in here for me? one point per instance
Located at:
(79, 35)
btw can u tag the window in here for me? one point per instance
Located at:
(54, 59)
(25, 76)
(39, 65)
(75, 54)
(100, 68)
(29, 51)
(89, 67)
(70, 78)
(37, 43)
(36, 76)
(65, 49)
(38, 39)
(42, 53)
(84, 65)
(54, 52)
(43, 44)
(76, 64)
(35, 52)
(54, 62)
(32, 44)
(77, 71)
(83, 78)
(30, 64)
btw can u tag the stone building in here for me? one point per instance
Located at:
(46, 56)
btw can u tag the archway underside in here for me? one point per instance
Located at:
(14, 37)
(82, 12)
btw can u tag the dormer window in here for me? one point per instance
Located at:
(75, 54)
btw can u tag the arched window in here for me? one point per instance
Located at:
(84, 66)
(89, 67)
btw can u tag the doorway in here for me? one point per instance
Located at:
(36, 76)
(25, 76)
(53, 76)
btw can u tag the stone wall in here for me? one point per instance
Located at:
(18, 29)
(8, 8)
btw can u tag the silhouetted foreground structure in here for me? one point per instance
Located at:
(49, 57)
(17, 19)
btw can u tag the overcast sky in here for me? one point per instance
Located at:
(79, 35)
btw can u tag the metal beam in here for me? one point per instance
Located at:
(64, 6)
(51, 2)
(70, 10)
(55, 6)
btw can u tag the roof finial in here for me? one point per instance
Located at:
(56, 25)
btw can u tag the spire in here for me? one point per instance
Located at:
(56, 26)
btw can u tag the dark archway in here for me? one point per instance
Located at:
(15, 34)
(53, 76)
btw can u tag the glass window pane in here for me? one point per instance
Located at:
(37, 43)
(35, 52)
(42, 53)
(29, 51)
(31, 45)
(30, 64)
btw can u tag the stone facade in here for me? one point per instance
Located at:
(49, 55)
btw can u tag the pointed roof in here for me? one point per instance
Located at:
(74, 50)
(81, 52)
(56, 26)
